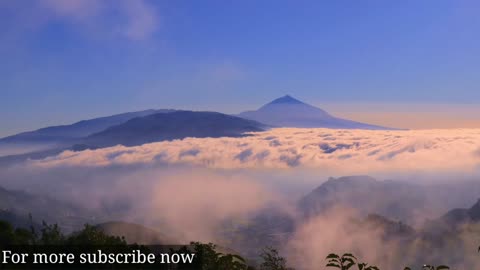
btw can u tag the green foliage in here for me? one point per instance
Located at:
(206, 255)
(12, 236)
(51, 235)
(91, 235)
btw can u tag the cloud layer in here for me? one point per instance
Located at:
(333, 151)
(210, 189)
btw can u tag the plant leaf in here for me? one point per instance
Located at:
(333, 265)
(333, 256)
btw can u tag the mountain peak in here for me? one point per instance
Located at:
(288, 111)
(474, 211)
(287, 99)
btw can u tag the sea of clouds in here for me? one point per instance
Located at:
(334, 151)
(189, 189)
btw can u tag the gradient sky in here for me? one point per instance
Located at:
(67, 60)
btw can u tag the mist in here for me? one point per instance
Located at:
(331, 152)
(213, 189)
(343, 230)
(7, 149)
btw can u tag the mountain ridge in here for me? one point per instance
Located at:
(152, 128)
(77, 129)
(173, 125)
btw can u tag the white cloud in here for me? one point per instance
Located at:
(332, 151)
(76, 9)
(132, 19)
(142, 22)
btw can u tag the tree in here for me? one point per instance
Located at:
(11, 236)
(50, 235)
(93, 236)
(207, 258)
(272, 260)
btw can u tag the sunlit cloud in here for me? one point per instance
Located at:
(333, 151)
(142, 19)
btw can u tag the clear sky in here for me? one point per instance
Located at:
(67, 60)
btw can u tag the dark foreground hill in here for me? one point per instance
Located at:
(67, 133)
(408, 201)
(393, 199)
(152, 128)
(461, 215)
(455, 219)
(171, 126)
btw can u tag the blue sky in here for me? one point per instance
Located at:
(63, 61)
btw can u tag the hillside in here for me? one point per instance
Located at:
(174, 125)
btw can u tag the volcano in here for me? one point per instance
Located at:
(287, 111)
